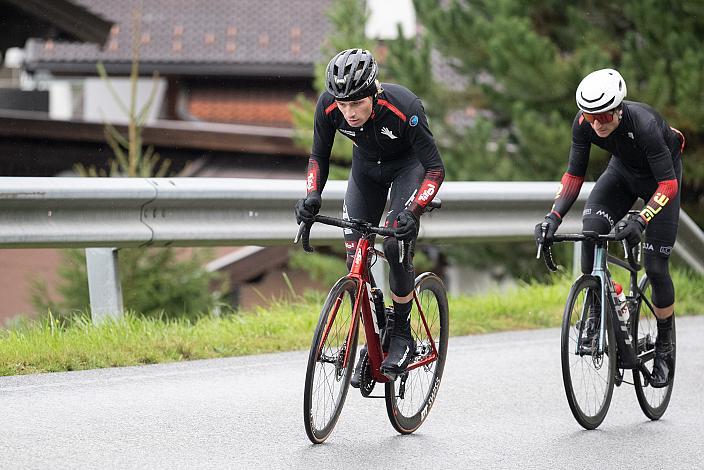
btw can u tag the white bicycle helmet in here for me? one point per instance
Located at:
(601, 91)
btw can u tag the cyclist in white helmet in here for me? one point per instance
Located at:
(645, 162)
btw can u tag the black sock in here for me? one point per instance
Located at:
(401, 314)
(665, 324)
(664, 329)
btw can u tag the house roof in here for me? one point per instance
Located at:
(58, 19)
(233, 37)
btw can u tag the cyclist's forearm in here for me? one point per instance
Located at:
(665, 191)
(428, 189)
(317, 175)
(567, 193)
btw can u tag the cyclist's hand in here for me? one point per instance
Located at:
(306, 208)
(550, 224)
(630, 229)
(406, 226)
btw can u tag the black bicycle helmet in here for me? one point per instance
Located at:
(351, 75)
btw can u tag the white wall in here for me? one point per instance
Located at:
(386, 14)
(100, 105)
(60, 100)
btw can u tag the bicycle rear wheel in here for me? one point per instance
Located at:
(653, 401)
(327, 377)
(587, 374)
(410, 397)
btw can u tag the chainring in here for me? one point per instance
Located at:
(366, 382)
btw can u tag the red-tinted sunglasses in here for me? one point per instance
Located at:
(603, 118)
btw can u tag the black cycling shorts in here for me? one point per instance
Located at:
(367, 191)
(614, 194)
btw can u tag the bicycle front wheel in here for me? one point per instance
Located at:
(410, 397)
(653, 401)
(587, 372)
(330, 362)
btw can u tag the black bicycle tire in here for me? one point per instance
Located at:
(317, 436)
(566, 352)
(408, 424)
(652, 412)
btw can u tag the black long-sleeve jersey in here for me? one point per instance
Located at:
(644, 144)
(397, 128)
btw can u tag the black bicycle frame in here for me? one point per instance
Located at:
(624, 342)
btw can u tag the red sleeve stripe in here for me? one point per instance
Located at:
(330, 108)
(681, 137)
(570, 186)
(668, 188)
(393, 109)
(437, 175)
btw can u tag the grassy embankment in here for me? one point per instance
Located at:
(46, 346)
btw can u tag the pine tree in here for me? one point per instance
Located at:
(347, 18)
(155, 281)
(522, 62)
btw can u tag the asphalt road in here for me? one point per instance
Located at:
(501, 405)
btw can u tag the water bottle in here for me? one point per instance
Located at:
(621, 304)
(378, 302)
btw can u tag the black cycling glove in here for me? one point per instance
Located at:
(406, 226)
(630, 229)
(306, 208)
(552, 222)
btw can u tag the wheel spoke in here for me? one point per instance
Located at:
(326, 381)
(408, 412)
(588, 373)
(653, 401)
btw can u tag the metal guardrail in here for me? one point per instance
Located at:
(129, 212)
(134, 212)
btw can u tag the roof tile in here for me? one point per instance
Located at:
(195, 32)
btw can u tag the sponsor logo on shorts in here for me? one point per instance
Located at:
(606, 216)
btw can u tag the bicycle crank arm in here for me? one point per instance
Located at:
(646, 373)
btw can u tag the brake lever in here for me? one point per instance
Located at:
(544, 231)
(301, 228)
(625, 249)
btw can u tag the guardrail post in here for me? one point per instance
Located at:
(103, 284)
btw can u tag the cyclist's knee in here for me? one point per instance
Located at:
(391, 250)
(657, 269)
(597, 223)
(400, 280)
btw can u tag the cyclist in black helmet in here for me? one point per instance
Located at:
(646, 162)
(394, 151)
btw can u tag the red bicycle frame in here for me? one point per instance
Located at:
(363, 304)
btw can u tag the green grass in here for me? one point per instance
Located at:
(49, 345)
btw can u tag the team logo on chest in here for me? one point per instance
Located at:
(349, 133)
(388, 133)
